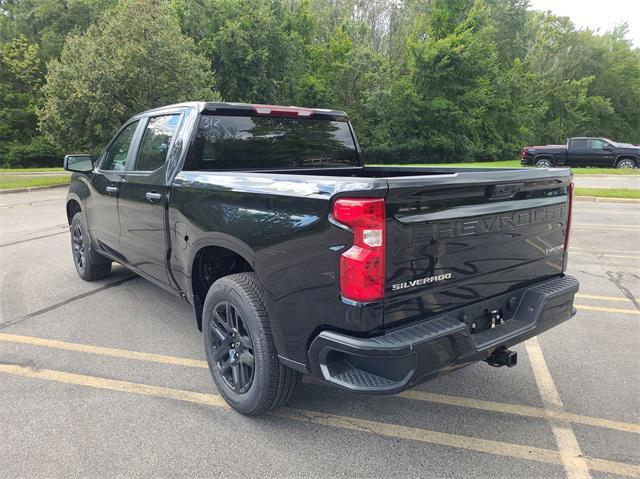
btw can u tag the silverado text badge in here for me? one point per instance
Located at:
(421, 281)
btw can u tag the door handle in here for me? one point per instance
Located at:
(153, 196)
(112, 189)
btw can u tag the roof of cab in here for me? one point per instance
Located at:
(201, 106)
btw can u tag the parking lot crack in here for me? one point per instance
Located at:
(72, 299)
(616, 278)
(34, 238)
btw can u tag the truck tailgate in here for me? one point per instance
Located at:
(459, 238)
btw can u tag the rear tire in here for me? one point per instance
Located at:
(544, 163)
(626, 163)
(240, 348)
(90, 265)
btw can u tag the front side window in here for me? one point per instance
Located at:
(253, 142)
(156, 142)
(116, 157)
(597, 144)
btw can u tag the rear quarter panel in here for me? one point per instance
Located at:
(280, 225)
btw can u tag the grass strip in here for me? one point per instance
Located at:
(609, 193)
(10, 182)
(31, 170)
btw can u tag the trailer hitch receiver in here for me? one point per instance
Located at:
(503, 357)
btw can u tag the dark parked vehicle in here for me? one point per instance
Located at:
(600, 152)
(298, 259)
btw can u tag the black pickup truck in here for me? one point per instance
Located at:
(298, 259)
(583, 151)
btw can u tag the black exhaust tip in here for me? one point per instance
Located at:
(503, 357)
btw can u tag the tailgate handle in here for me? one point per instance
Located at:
(504, 191)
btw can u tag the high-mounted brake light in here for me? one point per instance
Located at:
(288, 111)
(362, 265)
(569, 216)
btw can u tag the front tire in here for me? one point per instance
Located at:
(626, 163)
(240, 349)
(89, 264)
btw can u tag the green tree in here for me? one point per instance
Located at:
(133, 59)
(257, 48)
(20, 82)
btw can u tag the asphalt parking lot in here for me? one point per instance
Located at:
(107, 379)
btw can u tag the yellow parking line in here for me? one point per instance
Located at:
(574, 464)
(114, 385)
(604, 298)
(117, 353)
(517, 410)
(505, 408)
(355, 424)
(607, 310)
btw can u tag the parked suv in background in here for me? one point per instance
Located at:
(583, 151)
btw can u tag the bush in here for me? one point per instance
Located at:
(38, 153)
(408, 153)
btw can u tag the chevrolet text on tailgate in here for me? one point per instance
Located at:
(298, 259)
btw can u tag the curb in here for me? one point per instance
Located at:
(604, 175)
(598, 199)
(32, 188)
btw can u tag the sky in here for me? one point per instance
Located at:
(597, 14)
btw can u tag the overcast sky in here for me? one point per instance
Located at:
(597, 14)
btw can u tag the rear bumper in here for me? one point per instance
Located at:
(404, 357)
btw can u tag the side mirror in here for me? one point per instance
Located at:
(608, 148)
(80, 163)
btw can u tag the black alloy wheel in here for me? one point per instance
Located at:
(89, 264)
(232, 347)
(77, 245)
(240, 347)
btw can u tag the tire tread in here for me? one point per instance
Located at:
(281, 380)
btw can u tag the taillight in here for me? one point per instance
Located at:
(524, 153)
(569, 216)
(362, 265)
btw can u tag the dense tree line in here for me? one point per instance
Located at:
(422, 80)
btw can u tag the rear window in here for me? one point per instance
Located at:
(253, 142)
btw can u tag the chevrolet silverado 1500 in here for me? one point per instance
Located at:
(582, 152)
(299, 259)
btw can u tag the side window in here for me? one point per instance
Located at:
(581, 144)
(597, 145)
(116, 157)
(156, 141)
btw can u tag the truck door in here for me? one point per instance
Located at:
(578, 151)
(601, 154)
(102, 206)
(143, 199)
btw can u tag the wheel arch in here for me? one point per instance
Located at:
(211, 260)
(74, 205)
